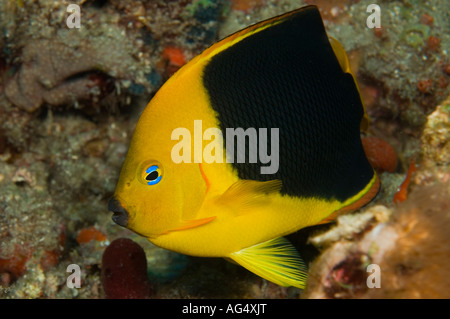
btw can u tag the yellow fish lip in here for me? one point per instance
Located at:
(120, 215)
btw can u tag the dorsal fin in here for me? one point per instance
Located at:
(240, 35)
(342, 57)
(244, 33)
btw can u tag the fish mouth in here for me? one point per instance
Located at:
(120, 216)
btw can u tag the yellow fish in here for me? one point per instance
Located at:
(199, 179)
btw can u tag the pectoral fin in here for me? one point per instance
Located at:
(275, 260)
(194, 223)
(247, 193)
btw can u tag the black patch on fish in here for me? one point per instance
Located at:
(288, 77)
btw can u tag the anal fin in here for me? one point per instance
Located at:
(275, 260)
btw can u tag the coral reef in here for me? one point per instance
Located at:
(409, 250)
(111, 53)
(57, 74)
(435, 149)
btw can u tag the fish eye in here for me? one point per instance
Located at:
(153, 175)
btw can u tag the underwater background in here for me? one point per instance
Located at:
(69, 102)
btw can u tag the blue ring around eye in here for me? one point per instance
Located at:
(151, 169)
(156, 181)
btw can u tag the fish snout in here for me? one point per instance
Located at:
(121, 215)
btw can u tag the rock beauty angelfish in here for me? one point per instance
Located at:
(283, 73)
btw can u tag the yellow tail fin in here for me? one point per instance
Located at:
(275, 260)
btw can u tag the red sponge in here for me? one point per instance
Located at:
(124, 271)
